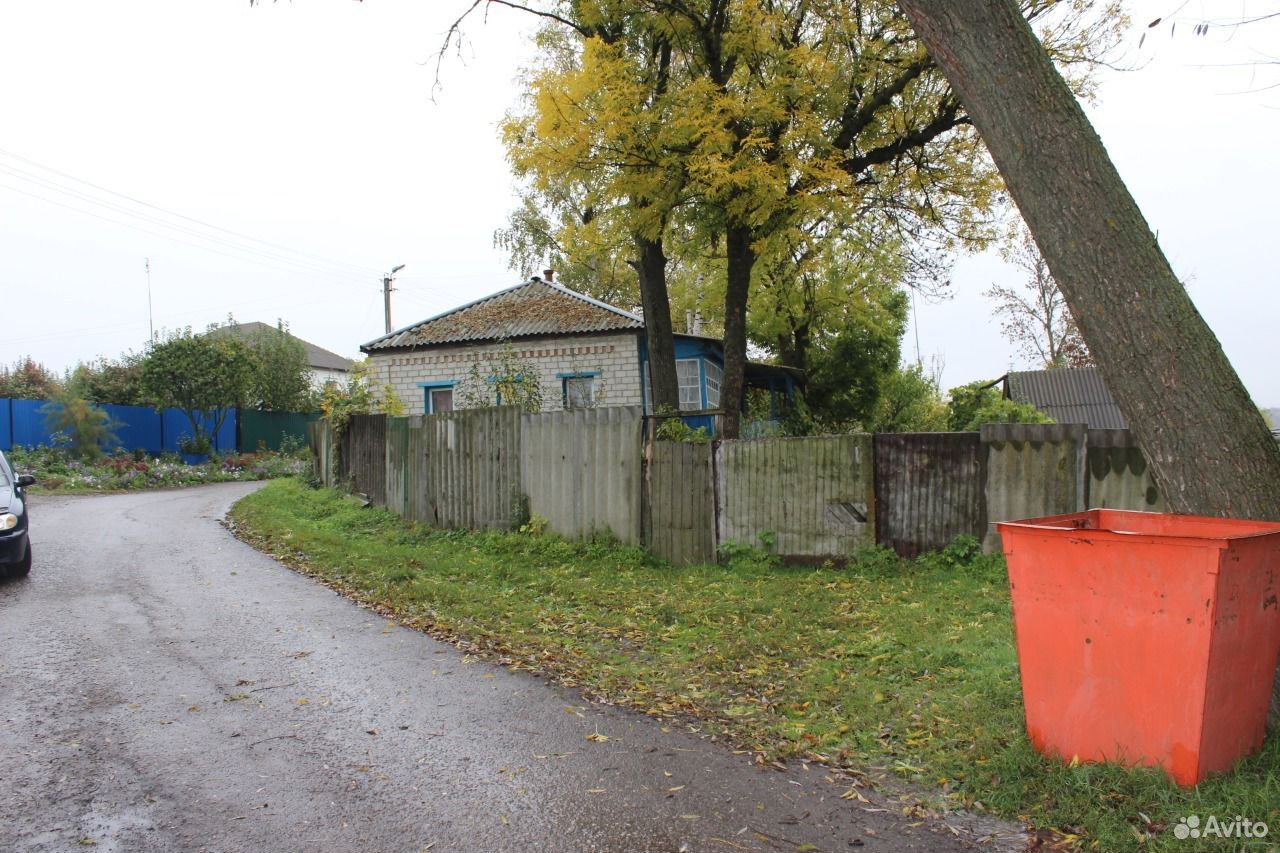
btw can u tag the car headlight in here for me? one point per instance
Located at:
(8, 521)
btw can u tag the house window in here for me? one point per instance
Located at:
(441, 400)
(689, 377)
(714, 373)
(579, 390)
(437, 397)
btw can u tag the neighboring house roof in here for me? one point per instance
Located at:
(1069, 395)
(318, 358)
(531, 308)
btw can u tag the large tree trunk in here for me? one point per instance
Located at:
(740, 258)
(1208, 446)
(651, 264)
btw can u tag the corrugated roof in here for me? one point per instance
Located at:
(1069, 395)
(533, 307)
(317, 357)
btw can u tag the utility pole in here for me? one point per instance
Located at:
(386, 294)
(151, 327)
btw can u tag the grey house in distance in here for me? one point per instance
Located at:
(325, 366)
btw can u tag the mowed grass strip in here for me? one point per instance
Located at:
(907, 667)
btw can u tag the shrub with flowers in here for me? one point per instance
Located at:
(56, 470)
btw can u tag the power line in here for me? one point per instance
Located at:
(295, 265)
(355, 267)
(333, 278)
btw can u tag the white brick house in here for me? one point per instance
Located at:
(587, 353)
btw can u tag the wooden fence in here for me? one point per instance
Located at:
(362, 456)
(463, 470)
(588, 472)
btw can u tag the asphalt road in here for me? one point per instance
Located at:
(165, 687)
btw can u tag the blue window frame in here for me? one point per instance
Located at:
(437, 396)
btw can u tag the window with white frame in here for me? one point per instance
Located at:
(441, 400)
(437, 398)
(714, 373)
(689, 377)
(579, 392)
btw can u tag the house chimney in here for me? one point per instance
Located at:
(549, 275)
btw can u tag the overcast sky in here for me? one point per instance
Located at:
(273, 162)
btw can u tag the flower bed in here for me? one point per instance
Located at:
(57, 471)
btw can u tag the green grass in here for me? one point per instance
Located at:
(906, 668)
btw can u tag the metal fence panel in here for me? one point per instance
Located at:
(1032, 470)
(175, 425)
(581, 470)
(267, 429)
(809, 497)
(28, 425)
(136, 428)
(1118, 474)
(929, 489)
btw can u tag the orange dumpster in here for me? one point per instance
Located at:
(1145, 638)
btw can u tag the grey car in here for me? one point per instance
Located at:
(15, 543)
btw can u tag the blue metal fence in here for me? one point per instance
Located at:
(175, 425)
(136, 427)
(27, 427)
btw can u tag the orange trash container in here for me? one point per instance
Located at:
(1145, 638)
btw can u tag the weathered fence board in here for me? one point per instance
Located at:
(321, 437)
(581, 470)
(929, 489)
(462, 468)
(1033, 470)
(811, 497)
(397, 465)
(363, 456)
(680, 502)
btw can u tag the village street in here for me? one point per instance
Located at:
(165, 687)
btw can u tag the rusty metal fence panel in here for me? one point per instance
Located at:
(581, 470)
(929, 490)
(679, 505)
(808, 497)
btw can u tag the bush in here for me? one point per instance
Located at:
(86, 428)
(671, 428)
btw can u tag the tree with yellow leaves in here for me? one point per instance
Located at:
(757, 131)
